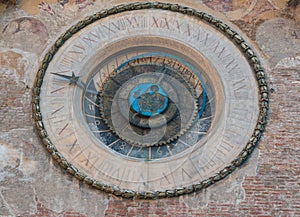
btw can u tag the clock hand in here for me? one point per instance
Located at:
(75, 80)
(72, 79)
(163, 71)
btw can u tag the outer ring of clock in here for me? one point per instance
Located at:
(227, 31)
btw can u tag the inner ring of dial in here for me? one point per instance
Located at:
(172, 148)
(151, 130)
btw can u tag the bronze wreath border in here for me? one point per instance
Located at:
(127, 193)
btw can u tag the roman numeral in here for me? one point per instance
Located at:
(217, 50)
(185, 175)
(61, 131)
(240, 88)
(202, 36)
(57, 110)
(77, 52)
(231, 66)
(163, 23)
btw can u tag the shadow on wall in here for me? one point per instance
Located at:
(9, 2)
(293, 3)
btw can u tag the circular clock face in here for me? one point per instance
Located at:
(150, 100)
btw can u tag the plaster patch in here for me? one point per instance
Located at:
(19, 65)
(272, 31)
(4, 175)
(288, 62)
(8, 156)
(234, 9)
(26, 33)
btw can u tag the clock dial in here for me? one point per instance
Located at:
(150, 100)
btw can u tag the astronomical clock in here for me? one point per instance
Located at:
(150, 100)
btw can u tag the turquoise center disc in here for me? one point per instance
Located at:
(148, 99)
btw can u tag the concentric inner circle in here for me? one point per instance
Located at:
(156, 62)
(148, 104)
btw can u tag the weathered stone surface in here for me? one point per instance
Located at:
(233, 9)
(26, 33)
(289, 62)
(16, 80)
(284, 30)
(17, 169)
(230, 190)
(27, 170)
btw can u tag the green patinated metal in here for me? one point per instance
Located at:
(219, 25)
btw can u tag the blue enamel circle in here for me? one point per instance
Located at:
(201, 101)
(148, 99)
